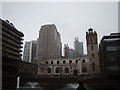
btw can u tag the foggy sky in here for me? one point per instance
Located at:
(72, 19)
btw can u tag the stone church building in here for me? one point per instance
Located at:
(66, 66)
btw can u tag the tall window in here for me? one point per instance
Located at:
(66, 70)
(91, 40)
(92, 48)
(84, 70)
(46, 62)
(93, 55)
(93, 66)
(51, 62)
(70, 61)
(64, 62)
(49, 70)
(57, 70)
(76, 61)
(58, 62)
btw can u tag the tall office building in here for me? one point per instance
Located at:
(109, 52)
(11, 43)
(30, 51)
(81, 49)
(26, 52)
(49, 43)
(37, 50)
(78, 47)
(92, 50)
(68, 52)
(71, 53)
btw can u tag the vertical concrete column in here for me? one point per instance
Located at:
(80, 67)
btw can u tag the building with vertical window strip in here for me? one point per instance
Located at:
(29, 53)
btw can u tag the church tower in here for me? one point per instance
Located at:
(92, 51)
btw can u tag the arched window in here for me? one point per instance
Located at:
(66, 70)
(51, 62)
(91, 40)
(92, 55)
(57, 70)
(76, 61)
(49, 70)
(58, 62)
(83, 61)
(46, 62)
(70, 61)
(64, 62)
(84, 70)
(93, 66)
(92, 48)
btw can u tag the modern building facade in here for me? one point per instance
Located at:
(66, 50)
(11, 41)
(26, 52)
(92, 51)
(109, 53)
(81, 49)
(11, 51)
(49, 44)
(78, 47)
(30, 51)
(12, 64)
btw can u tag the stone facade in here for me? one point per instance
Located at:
(92, 50)
(66, 66)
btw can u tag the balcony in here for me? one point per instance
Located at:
(11, 38)
(7, 55)
(11, 42)
(11, 47)
(12, 33)
(10, 52)
(6, 25)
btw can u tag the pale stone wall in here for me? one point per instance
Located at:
(74, 68)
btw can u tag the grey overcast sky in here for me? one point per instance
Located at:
(72, 19)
